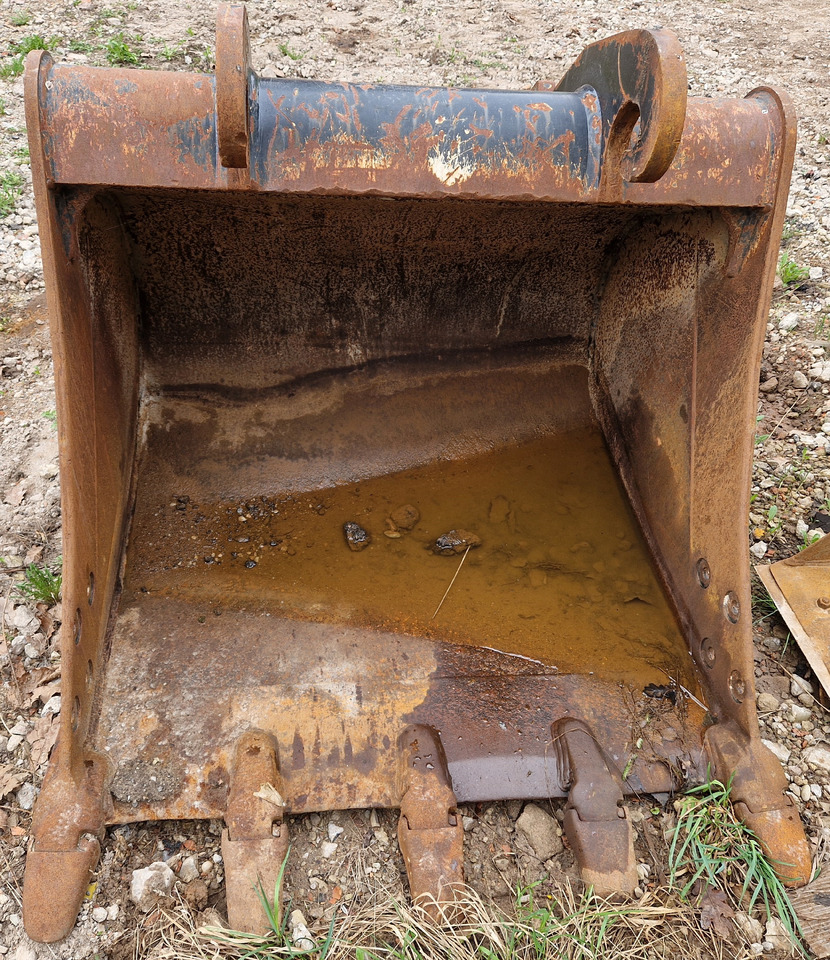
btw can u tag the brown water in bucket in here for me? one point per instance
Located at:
(562, 575)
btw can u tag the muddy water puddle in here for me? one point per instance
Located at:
(556, 569)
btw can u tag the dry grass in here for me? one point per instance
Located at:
(565, 925)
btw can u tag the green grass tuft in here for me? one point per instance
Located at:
(42, 584)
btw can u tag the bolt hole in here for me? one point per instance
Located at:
(90, 589)
(90, 671)
(731, 607)
(76, 627)
(704, 572)
(708, 654)
(737, 686)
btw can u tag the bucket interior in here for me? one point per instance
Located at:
(313, 361)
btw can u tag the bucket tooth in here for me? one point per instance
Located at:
(67, 827)
(596, 826)
(430, 833)
(255, 841)
(758, 792)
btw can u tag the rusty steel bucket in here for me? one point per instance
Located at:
(406, 441)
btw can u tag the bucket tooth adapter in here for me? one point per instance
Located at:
(386, 409)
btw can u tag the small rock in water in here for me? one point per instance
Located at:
(405, 517)
(455, 541)
(356, 537)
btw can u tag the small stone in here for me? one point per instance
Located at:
(818, 756)
(189, 870)
(816, 273)
(300, 933)
(356, 537)
(99, 914)
(769, 386)
(52, 705)
(800, 381)
(776, 934)
(756, 949)
(541, 830)
(456, 541)
(514, 809)
(788, 322)
(798, 713)
(405, 517)
(799, 685)
(334, 831)
(806, 793)
(751, 928)
(759, 549)
(780, 751)
(767, 703)
(25, 951)
(196, 894)
(328, 849)
(112, 911)
(468, 823)
(151, 885)
(26, 796)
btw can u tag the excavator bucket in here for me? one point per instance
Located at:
(406, 439)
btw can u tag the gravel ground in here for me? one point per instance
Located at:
(731, 48)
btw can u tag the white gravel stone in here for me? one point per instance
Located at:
(150, 885)
(189, 869)
(798, 686)
(27, 795)
(334, 831)
(788, 322)
(780, 751)
(758, 549)
(800, 381)
(328, 849)
(300, 933)
(25, 951)
(818, 756)
(821, 371)
(99, 914)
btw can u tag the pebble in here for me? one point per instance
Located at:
(767, 703)
(26, 796)
(25, 951)
(356, 537)
(334, 831)
(541, 830)
(788, 322)
(806, 793)
(798, 713)
(800, 381)
(99, 914)
(758, 549)
(798, 686)
(456, 541)
(189, 869)
(818, 756)
(328, 849)
(150, 885)
(782, 752)
(769, 386)
(300, 933)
